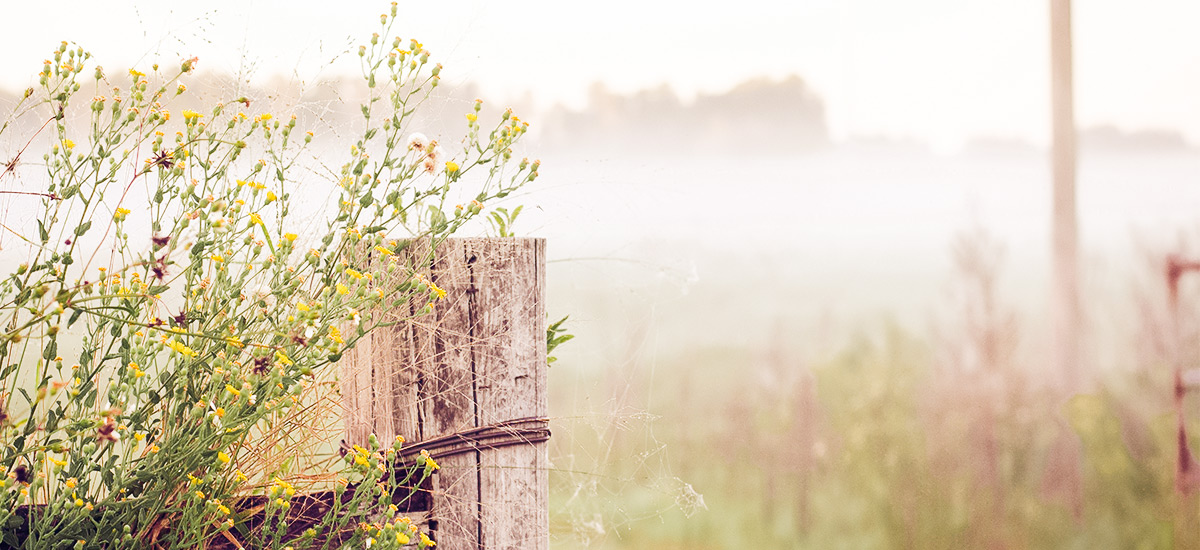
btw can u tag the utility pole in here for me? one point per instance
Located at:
(1065, 297)
(1066, 466)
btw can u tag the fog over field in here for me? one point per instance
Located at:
(809, 277)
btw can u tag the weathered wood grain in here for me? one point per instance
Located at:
(477, 360)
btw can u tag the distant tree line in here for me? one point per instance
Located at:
(757, 116)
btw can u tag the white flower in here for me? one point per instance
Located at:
(418, 141)
(310, 331)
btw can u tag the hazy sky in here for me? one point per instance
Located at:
(938, 70)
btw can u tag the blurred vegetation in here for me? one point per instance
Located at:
(893, 440)
(872, 450)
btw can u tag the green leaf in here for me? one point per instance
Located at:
(436, 218)
(52, 421)
(198, 248)
(83, 228)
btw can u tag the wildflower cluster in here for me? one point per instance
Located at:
(196, 317)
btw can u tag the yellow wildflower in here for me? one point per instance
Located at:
(282, 357)
(354, 273)
(229, 388)
(222, 457)
(255, 219)
(181, 349)
(121, 213)
(440, 293)
(341, 289)
(190, 115)
(68, 144)
(429, 462)
(271, 197)
(451, 167)
(291, 237)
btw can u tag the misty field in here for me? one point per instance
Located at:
(869, 370)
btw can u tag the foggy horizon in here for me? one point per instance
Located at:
(743, 99)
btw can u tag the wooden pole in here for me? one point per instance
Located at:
(1064, 468)
(467, 383)
(1187, 506)
(1065, 227)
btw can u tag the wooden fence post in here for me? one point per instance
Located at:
(467, 383)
